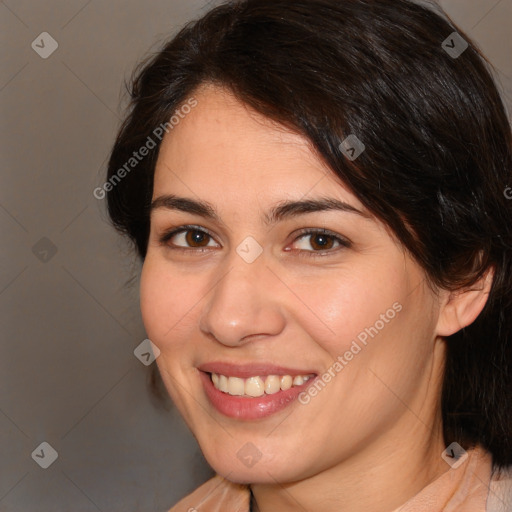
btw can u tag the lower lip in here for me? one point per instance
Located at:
(250, 408)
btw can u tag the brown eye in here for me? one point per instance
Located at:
(320, 240)
(187, 237)
(195, 236)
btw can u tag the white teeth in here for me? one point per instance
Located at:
(286, 382)
(272, 384)
(223, 383)
(236, 386)
(256, 386)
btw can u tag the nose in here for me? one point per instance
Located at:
(243, 304)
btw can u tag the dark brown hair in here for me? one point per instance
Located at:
(436, 162)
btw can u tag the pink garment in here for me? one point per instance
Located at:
(469, 488)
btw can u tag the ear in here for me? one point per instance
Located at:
(460, 308)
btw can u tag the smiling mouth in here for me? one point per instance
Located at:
(256, 386)
(249, 392)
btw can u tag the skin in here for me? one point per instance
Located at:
(372, 438)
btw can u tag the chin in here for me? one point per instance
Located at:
(246, 468)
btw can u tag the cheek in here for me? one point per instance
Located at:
(343, 306)
(168, 304)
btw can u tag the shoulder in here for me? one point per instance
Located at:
(500, 491)
(216, 494)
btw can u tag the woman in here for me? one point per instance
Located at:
(317, 197)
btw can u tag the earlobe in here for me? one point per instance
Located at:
(461, 308)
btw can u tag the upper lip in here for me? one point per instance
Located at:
(245, 371)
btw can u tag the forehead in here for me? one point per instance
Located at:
(224, 149)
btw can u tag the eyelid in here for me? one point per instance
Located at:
(343, 242)
(167, 235)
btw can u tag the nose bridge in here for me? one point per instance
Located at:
(241, 303)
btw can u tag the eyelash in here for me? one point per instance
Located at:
(343, 243)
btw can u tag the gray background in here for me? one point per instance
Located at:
(69, 324)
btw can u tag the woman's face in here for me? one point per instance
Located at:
(256, 294)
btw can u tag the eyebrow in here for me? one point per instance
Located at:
(281, 211)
